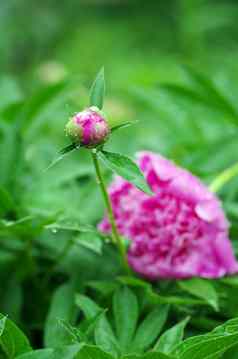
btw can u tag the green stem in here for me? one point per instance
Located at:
(115, 235)
(224, 177)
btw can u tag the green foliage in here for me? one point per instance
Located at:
(126, 168)
(47, 218)
(171, 337)
(67, 352)
(150, 328)
(62, 307)
(120, 126)
(126, 313)
(98, 90)
(201, 288)
(12, 340)
(92, 352)
(105, 338)
(47, 244)
(150, 355)
(62, 153)
(210, 345)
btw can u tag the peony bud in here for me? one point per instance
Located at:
(88, 128)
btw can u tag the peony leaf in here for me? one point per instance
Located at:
(68, 224)
(75, 333)
(126, 168)
(65, 351)
(205, 346)
(150, 328)
(171, 337)
(104, 336)
(2, 325)
(98, 90)
(157, 298)
(201, 288)
(90, 241)
(37, 354)
(13, 341)
(93, 352)
(149, 355)
(125, 309)
(62, 307)
(87, 305)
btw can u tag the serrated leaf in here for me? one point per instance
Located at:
(201, 288)
(171, 337)
(126, 311)
(126, 168)
(150, 328)
(97, 91)
(12, 340)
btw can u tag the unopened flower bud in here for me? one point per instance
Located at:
(88, 128)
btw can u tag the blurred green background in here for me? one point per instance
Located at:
(137, 41)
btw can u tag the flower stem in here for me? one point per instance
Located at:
(223, 178)
(115, 235)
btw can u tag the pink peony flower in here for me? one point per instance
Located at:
(88, 128)
(180, 232)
